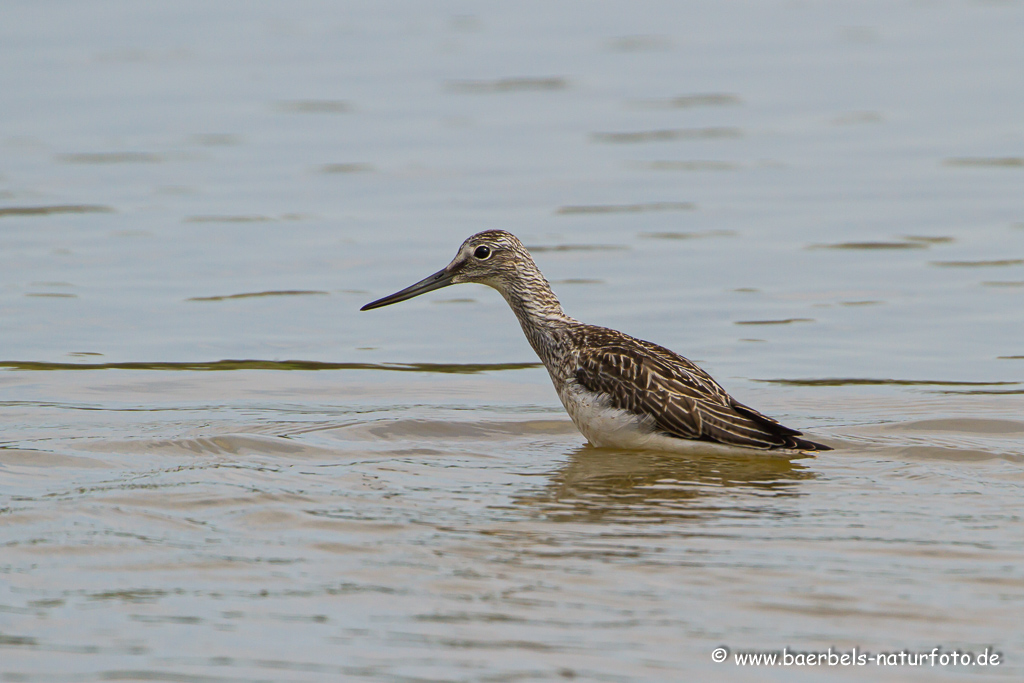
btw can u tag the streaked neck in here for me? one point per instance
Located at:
(539, 312)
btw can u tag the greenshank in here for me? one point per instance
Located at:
(621, 392)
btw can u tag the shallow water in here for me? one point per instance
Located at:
(213, 468)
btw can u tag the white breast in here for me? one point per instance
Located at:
(608, 427)
(603, 425)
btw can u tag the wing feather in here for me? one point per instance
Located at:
(681, 399)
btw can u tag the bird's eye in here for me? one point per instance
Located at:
(482, 253)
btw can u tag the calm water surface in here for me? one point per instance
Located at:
(213, 468)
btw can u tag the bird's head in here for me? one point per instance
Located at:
(492, 258)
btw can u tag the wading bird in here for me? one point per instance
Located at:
(621, 392)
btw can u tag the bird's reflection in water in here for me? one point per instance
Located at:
(608, 485)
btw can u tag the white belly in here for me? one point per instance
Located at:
(608, 427)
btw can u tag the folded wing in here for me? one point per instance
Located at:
(682, 400)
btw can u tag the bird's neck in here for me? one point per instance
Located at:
(538, 310)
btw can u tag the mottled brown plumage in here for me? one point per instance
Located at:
(683, 400)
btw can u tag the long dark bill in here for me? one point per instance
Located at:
(441, 278)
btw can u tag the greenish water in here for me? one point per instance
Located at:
(818, 202)
(223, 365)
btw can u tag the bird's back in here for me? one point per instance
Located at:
(666, 393)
